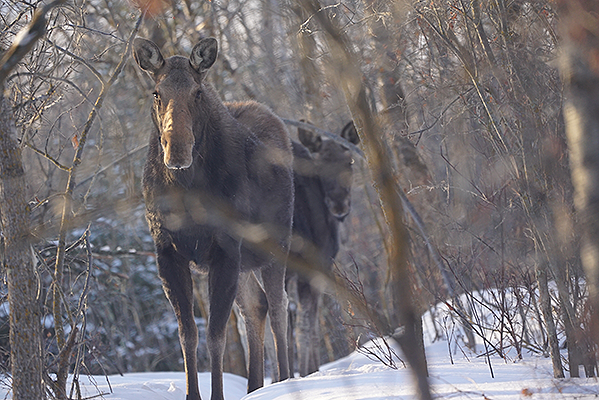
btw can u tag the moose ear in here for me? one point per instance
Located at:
(147, 55)
(203, 54)
(311, 140)
(349, 133)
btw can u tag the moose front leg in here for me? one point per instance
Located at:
(178, 287)
(223, 277)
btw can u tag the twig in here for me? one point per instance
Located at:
(90, 257)
(47, 156)
(118, 160)
(66, 213)
(80, 60)
(421, 131)
(87, 28)
(25, 41)
(56, 78)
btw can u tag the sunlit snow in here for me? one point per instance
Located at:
(459, 375)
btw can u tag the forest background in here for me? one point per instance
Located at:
(470, 102)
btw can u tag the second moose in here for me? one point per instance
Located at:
(323, 179)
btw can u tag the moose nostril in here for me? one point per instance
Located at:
(172, 165)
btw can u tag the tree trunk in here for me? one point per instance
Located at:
(545, 300)
(25, 325)
(25, 311)
(311, 77)
(345, 68)
(580, 73)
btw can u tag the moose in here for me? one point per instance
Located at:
(322, 180)
(218, 181)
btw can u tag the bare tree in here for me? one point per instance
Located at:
(23, 282)
(580, 72)
(65, 345)
(25, 310)
(344, 62)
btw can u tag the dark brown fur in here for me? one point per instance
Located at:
(322, 180)
(216, 173)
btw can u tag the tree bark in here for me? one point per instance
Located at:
(546, 309)
(25, 325)
(25, 311)
(579, 67)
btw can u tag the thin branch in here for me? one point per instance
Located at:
(47, 156)
(66, 212)
(438, 118)
(56, 78)
(82, 298)
(24, 42)
(80, 60)
(87, 28)
(118, 160)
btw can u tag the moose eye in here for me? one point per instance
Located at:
(198, 94)
(157, 101)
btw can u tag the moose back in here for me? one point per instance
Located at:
(217, 183)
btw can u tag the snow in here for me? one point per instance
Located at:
(461, 374)
(357, 377)
(155, 386)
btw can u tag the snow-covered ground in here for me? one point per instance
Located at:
(357, 377)
(455, 373)
(462, 376)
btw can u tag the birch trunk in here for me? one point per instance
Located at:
(580, 73)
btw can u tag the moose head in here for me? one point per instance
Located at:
(333, 161)
(178, 96)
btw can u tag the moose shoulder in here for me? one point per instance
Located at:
(218, 177)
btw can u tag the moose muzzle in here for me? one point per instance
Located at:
(177, 138)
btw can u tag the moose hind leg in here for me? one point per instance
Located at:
(314, 363)
(178, 287)
(253, 305)
(222, 281)
(273, 277)
(307, 320)
(291, 286)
